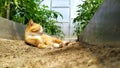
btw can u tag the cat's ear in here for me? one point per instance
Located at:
(31, 22)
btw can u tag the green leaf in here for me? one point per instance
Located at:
(85, 13)
(16, 3)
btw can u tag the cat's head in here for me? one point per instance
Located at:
(34, 27)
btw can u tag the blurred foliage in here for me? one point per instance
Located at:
(85, 13)
(23, 10)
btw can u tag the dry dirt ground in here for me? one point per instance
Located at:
(16, 54)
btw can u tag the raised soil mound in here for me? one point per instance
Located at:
(16, 54)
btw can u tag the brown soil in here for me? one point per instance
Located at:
(16, 54)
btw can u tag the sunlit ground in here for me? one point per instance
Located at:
(16, 54)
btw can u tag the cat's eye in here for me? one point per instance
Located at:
(35, 29)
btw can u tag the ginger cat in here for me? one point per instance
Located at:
(34, 35)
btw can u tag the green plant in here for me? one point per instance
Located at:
(3, 7)
(85, 13)
(23, 10)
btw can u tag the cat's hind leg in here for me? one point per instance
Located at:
(55, 40)
(52, 44)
